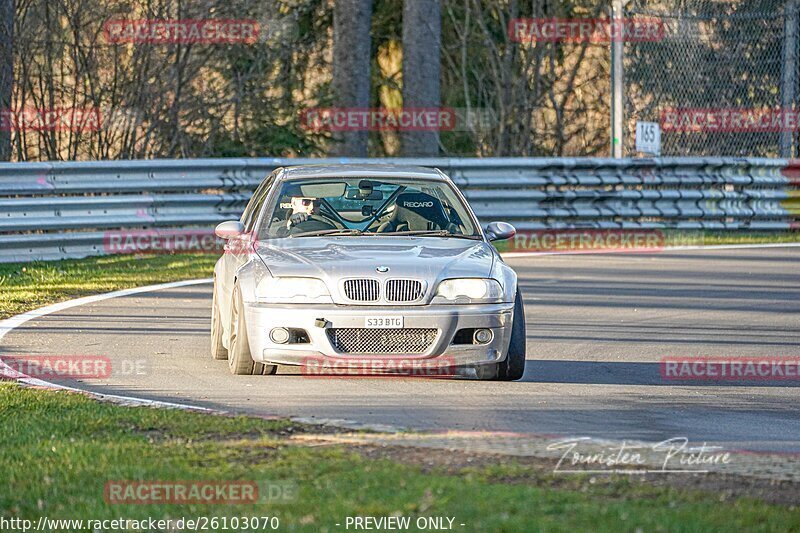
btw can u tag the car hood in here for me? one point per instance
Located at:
(334, 258)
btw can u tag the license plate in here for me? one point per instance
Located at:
(383, 322)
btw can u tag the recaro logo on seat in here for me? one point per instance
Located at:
(417, 204)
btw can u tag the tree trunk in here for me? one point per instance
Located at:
(6, 72)
(351, 69)
(422, 36)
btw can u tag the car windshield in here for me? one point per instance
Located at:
(363, 206)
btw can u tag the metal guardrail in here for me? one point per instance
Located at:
(64, 209)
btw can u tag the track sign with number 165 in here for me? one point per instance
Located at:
(648, 138)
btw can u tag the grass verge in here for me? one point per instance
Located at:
(58, 451)
(586, 240)
(28, 286)
(713, 238)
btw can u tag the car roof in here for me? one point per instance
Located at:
(370, 170)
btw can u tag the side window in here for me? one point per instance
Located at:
(253, 208)
(248, 210)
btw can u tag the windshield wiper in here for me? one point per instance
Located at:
(331, 232)
(432, 233)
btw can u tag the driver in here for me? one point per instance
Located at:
(302, 209)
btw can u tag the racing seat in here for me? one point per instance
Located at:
(416, 211)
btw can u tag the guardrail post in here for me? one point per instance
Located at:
(789, 73)
(617, 96)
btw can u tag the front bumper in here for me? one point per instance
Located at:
(446, 319)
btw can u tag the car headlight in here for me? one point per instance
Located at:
(469, 290)
(292, 290)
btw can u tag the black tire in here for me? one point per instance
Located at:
(513, 368)
(218, 350)
(240, 362)
(490, 372)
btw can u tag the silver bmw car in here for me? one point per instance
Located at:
(344, 263)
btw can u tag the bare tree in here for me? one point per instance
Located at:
(422, 37)
(512, 98)
(522, 98)
(351, 68)
(167, 99)
(6, 71)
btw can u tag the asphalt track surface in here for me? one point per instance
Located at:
(597, 327)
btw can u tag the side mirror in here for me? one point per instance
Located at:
(230, 229)
(500, 231)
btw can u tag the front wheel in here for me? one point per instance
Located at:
(240, 362)
(218, 350)
(512, 367)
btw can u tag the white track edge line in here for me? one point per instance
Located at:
(9, 324)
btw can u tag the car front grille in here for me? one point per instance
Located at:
(394, 290)
(382, 341)
(403, 290)
(362, 290)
